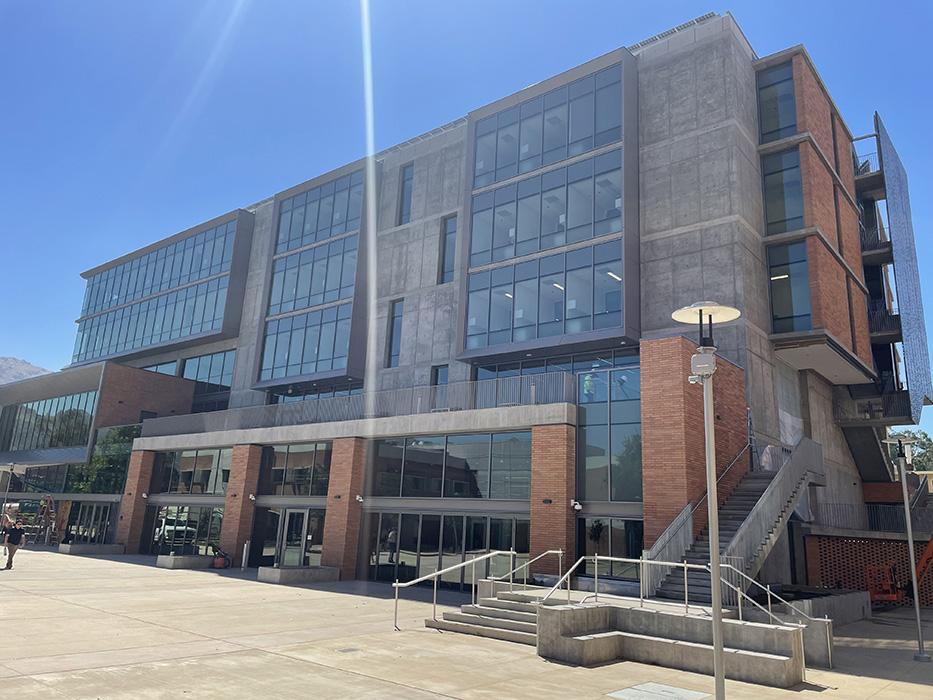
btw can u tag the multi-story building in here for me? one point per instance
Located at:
(469, 346)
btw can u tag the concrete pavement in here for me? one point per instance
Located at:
(82, 627)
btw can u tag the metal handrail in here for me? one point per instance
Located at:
(511, 574)
(489, 555)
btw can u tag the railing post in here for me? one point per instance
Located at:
(434, 605)
(396, 606)
(768, 587)
(641, 580)
(511, 568)
(560, 564)
(473, 568)
(740, 607)
(596, 578)
(686, 591)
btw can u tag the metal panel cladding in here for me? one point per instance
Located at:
(906, 273)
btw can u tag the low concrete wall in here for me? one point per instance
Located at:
(102, 549)
(841, 607)
(817, 635)
(298, 575)
(186, 561)
(589, 634)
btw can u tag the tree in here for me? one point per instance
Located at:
(922, 449)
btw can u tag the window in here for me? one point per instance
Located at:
(197, 472)
(783, 192)
(559, 207)
(572, 292)
(62, 421)
(568, 121)
(191, 259)
(448, 250)
(486, 465)
(777, 107)
(169, 368)
(439, 375)
(212, 373)
(611, 537)
(320, 213)
(404, 193)
(310, 343)
(394, 339)
(314, 276)
(296, 470)
(182, 530)
(194, 310)
(790, 288)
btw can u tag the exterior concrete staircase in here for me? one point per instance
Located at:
(731, 517)
(512, 617)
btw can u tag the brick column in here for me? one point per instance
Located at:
(673, 452)
(553, 485)
(237, 524)
(342, 520)
(133, 505)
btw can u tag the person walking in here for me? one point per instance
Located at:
(14, 537)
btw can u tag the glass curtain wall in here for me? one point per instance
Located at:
(406, 546)
(181, 530)
(295, 470)
(62, 421)
(199, 472)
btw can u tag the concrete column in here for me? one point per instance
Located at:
(553, 486)
(133, 505)
(342, 521)
(673, 462)
(237, 524)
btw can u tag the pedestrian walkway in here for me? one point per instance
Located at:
(82, 627)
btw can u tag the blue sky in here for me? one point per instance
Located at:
(122, 123)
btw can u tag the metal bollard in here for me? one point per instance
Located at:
(396, 606)
(245, 556)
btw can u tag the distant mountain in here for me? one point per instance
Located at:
(13, 369)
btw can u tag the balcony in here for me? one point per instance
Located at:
(886, 408)
(533, 390)
(871, 516)
(876, 246)
(884, 324)
(869, 166)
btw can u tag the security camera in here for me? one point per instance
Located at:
(252, 497)
(359, 498)
(576, 505)
(694, 379)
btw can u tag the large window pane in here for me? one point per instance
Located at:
(790, 288)
(593, 462)
(466, 473)
(783, 192)
(625, 443)
(423, 470)
(386, 474)
(777, 108)
(511, 466)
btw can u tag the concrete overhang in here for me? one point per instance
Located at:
(47, 386)
(441, 423)
(818, 351)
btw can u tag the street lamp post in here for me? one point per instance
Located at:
(702, 368)
(902, 462)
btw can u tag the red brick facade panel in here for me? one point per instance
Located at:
(828, 291)
(851, 245)
(129, 530)
(883, 493)
(673, 444)
(842, 562)
(860, 323)
(819, 207)
(239, 510)
(553, 486)
(814, 112)
(845, 165)
(342, 521)
(126, 391)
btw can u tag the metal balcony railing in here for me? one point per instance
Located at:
(874, 239)
(887, 408)
(881, 318)
(553, 387)
(877, 517)
(866, 163)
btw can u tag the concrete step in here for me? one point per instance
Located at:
(483, 631)
(508, 605)
(497, 622)
(499, 612)
(517, 597)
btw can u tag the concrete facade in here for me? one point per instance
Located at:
(691, 226)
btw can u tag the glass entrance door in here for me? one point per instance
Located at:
(293, 538)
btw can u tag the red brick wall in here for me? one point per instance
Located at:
(860, 323)
(673, 453)
(132, 504)
(813, 107)
(238, 508)
(553, 477)
(819, 207)
(840, 562)
(844, 163)
(125, 391)
(342, 522)
(883, 493)
(828, 291)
